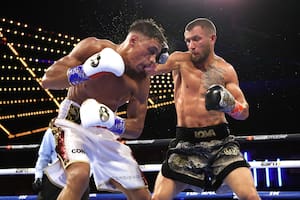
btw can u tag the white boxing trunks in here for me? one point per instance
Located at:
(108, 158)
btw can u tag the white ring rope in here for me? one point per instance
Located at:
(18, 146)
(252, 138)
(156, 167)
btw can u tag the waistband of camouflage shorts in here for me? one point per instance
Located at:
(199, 134)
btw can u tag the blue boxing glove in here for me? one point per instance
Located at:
(107, 60)
(163, 56)
(93, 113)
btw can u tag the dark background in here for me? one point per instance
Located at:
(261, 39)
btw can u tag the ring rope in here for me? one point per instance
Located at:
(156, 167)
(249, 138)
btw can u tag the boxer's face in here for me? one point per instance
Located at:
(199, 43)
(145, 52)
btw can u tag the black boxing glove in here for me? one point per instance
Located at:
(162, 57)
(37, 185)
(219, 98)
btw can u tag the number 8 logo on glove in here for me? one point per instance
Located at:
(103, 113)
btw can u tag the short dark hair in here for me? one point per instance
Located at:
(204, 23)
(149, 28)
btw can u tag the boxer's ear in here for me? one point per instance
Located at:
(133, 39)
(213, 38)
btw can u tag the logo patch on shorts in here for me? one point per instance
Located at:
(78, 151)
(205, 133)
(231, 151)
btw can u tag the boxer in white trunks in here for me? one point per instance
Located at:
(102, 76)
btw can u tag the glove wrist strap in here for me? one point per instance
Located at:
(119, 126)
(76, 75)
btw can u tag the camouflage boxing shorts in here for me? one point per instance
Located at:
(203, 157)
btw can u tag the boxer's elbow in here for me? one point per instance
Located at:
(137, 133)
(243, 115)
(44, 82)
(54, 81)
(133, 133)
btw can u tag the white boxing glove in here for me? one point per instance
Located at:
(93, 113)
(107, 60)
